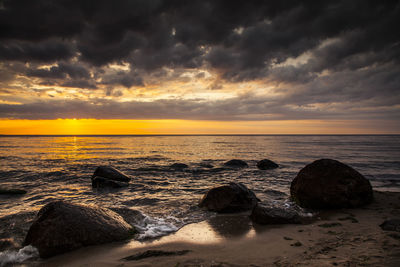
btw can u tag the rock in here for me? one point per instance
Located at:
(234, 197)
(60, 227)
(391, 225)
(179, 166)
(106, 176)
(236, 163)
(328, 183)
(263, 214)
(206, 165)
(4, 191)
(100, 182)
(7, 244)
(266, 164)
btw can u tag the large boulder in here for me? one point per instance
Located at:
(264, 214)
(328, 183)
(266, 164)
(60, 227)
(236, 163)
(106, 176)
(234, 197)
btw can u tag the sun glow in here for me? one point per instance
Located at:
(142, 127)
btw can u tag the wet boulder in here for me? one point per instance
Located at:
(106, 176)
(234, 197)
(179, 166)
(264, 214)
(266, 164)
(329, 184)
(61, 226)
(236, 163)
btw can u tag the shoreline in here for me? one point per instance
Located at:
(345, 237)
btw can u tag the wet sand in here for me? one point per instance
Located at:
(346, 237)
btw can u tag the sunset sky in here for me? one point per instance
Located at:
(199, 67)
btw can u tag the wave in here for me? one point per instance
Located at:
(10, 257)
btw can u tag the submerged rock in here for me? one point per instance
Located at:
(263, 214)
(236, 163)
(106, 176)
(391, 225)
(4, 191)
(179, 166)
(99, 182)
(266, 164)
(328, 183)
(234, 197)
(60, 227)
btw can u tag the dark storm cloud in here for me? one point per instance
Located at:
(241, 108)
(62, 70)
(45, 51)
(352, 48)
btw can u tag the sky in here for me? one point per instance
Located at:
(199, 66)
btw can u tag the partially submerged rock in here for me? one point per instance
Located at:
(236, 163)
(13, 191)
(328, 183)
(179, 166)
(263, 214)
(60, 227)
(106, 176)
(100, 182)
(266, 164)
(391, 225)
(234, 197)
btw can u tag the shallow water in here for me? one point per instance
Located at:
(54, 168)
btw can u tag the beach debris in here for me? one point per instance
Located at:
(287, 238)
(391, 225)
(107, 176)
(296, 244)
(154, 253)
(13, 191)
(61, 226)
(267, 214)
(236, 163)
(179, 166)
(329, 184)
(234, 197)
(348, 218)
(329, 225)
(266, 164)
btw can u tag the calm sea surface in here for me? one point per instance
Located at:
(55, 168)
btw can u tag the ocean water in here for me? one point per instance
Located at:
(59, 168)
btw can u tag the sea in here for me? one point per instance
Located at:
(53, 168)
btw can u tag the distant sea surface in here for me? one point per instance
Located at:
(59, 168)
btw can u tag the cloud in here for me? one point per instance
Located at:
(319, 56)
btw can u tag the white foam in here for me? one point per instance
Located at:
(151, 227)
(10, 257)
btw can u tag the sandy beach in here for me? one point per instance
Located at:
(345, 237)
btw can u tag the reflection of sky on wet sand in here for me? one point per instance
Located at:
(214, 230)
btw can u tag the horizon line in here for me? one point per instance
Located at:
(143, 135)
